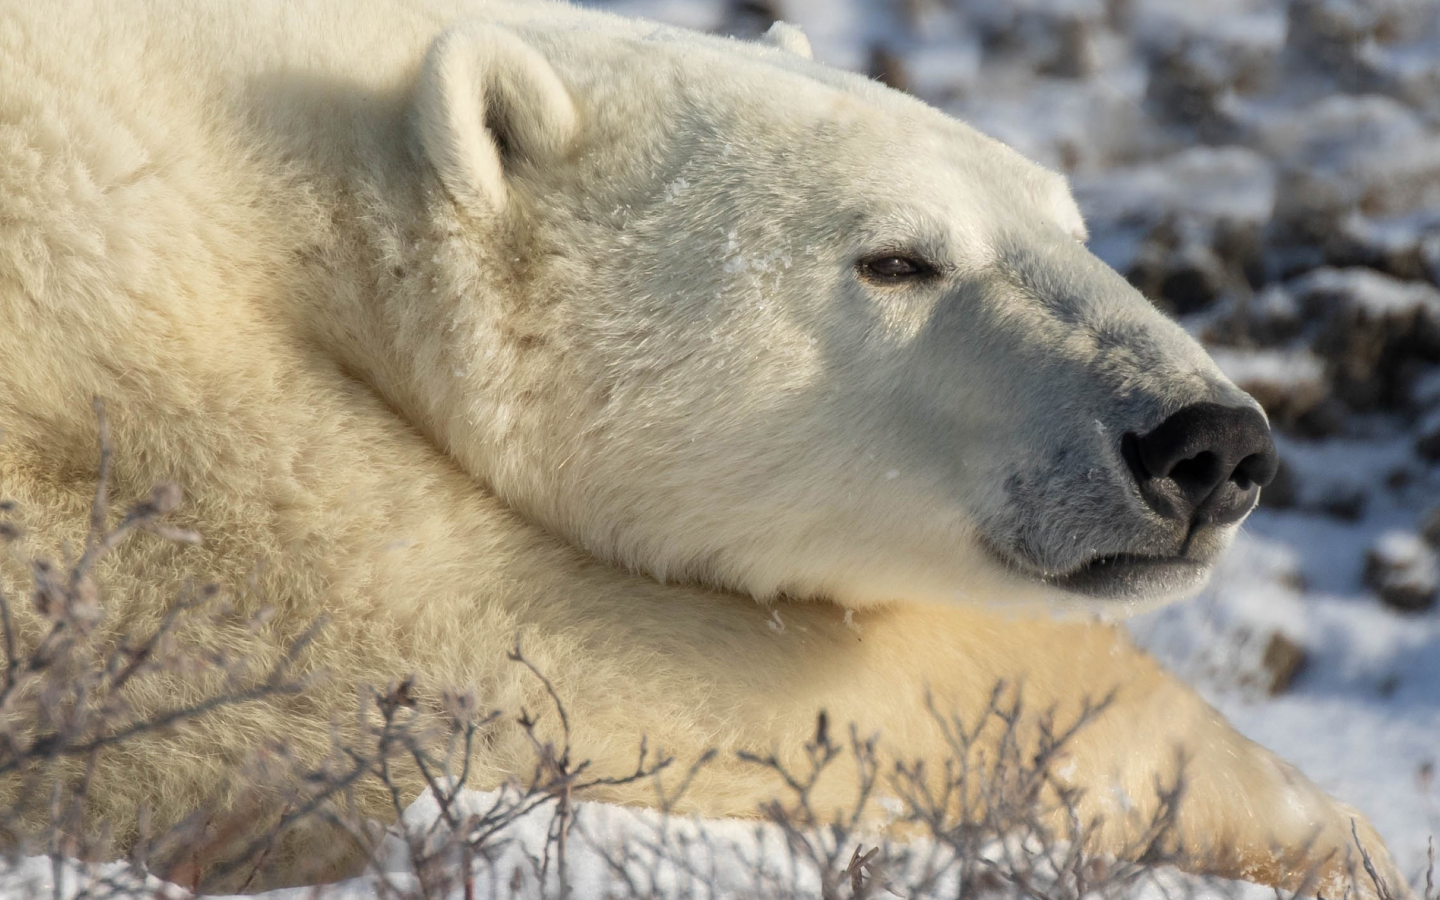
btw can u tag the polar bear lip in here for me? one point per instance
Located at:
(1122, 577)
(1127, 576)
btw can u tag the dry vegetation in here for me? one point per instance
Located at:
(986, 828)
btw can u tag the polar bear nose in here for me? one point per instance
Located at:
(1205, 464)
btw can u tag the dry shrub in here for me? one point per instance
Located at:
(997, 824)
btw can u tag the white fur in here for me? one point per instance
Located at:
(790, 39)
(474, 71)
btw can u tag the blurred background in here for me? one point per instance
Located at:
(1267, 171)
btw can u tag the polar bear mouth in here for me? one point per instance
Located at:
(1127, 576)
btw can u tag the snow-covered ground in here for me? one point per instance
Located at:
(615, 853)
(1269, 170)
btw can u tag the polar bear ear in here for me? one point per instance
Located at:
(788, 38)
(485, 99)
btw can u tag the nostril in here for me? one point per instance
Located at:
(1204, 462)
(1196, 473)
(1130, 452)
(1251, 472)
(1257, 469)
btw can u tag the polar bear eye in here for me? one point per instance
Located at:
(887, 268)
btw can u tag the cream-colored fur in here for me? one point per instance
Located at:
(463, 321)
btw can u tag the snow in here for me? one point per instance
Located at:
(1393, 233)
(1281, 370)
(1344, 131)
(1426, 390)
(680, 13)
(1403, 570)
(1369, 291)
(1248, 21)
(1400, 548)
(611, 852)
(945, 69)
(1215, 183)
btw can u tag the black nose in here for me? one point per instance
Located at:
(1204, 464)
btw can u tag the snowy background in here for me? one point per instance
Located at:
(1269, 172)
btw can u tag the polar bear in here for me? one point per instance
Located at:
(736, 386)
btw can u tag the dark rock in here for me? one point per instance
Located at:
(1399, 478)
(1240, 248)
(1327, 37)
(1326, 419)
(1337, 41)
(1273, 316)
(1425, 391)
(1074, 54)
(1146, 273)
(1056, 42)
(1283, 661)
(1430, 256)
(1388, 686)
(751, 18)
(1403, 570)
(1430, 526)
(1188, 85)
(1287, 383)
(1427, 437)
(1377, 333)
(1405, 262)
(1269, 318)
(1309, 207)
(1192, 281)
(1390, 246)
(1282, 492)
(1119, 14)
(1290, 260)
(888, 68)
(1343, 501)
(1179, 269)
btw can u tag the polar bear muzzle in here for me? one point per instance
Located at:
(1200, 470)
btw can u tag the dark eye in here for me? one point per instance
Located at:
(889, 268)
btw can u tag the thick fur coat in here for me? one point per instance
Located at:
(467, 321)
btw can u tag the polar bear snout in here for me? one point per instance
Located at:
(1204, 465)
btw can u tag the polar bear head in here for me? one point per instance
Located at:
(717, 313)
